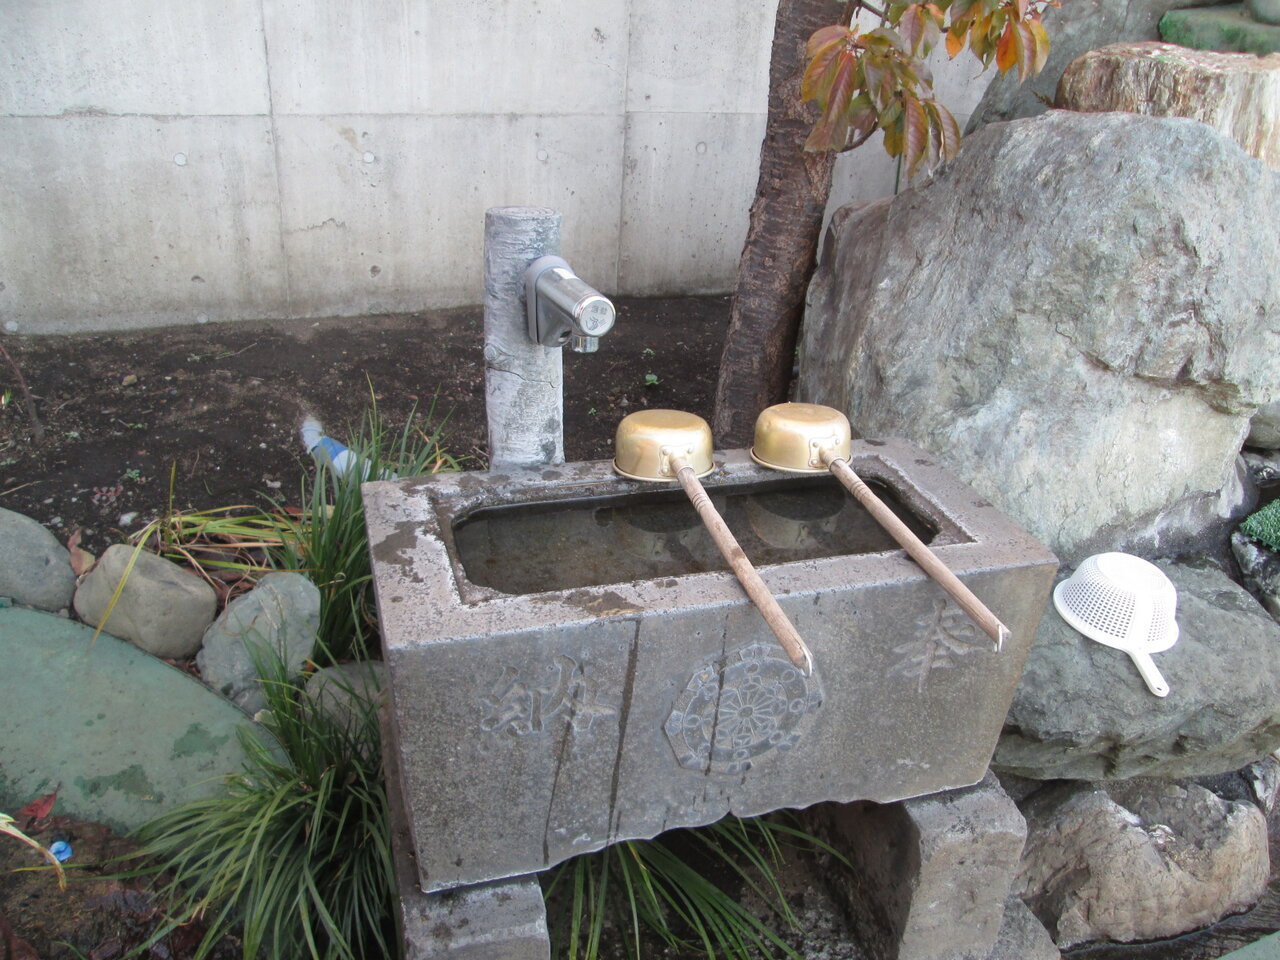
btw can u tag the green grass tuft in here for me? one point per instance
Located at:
(328, 543)
(297, 853)
(663, 886)
(1264, 525)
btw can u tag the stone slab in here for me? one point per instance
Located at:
(505, 920)
(534, 728)
(1022, 936)
(1226, 28)
(930, 875)
(124, 736)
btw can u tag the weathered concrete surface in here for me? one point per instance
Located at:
(162, 608)
(1236, 94)
(1083, 712)
(313, 190)
(36, 568)
(1220, 28)
(1139, 860)
(533, 728)
(1096, 377)
(123, 736)
(930, 875)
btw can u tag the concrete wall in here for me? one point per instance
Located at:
(171, 161)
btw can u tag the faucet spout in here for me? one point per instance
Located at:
(563, 309)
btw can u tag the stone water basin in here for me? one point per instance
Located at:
(571, 664)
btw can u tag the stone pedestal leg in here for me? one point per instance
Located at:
(930, 875)
(501, 920)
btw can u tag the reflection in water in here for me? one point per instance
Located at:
(531, 548)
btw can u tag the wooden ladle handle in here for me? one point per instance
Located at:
(918, 552)
(765, 602)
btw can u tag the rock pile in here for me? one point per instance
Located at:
(1079, 315)
(165, 609)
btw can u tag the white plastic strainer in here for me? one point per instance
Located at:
(1124, 602)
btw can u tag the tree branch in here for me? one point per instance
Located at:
(28, 401)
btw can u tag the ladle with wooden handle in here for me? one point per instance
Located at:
(670, 445)
(810, 438)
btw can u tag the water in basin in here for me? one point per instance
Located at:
(531, 548)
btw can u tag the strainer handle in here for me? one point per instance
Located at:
(1151, 674)
(797, 650)
(921, 554)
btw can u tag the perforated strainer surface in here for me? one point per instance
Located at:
(1122, 601)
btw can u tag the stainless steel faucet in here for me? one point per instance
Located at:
(562, 308)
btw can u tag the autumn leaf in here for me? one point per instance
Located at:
(1025, 42)
(947, 129)
(1006, 51)
(826, 36)
(81, 560)
(915, 133)
(911, 27)
(37, 809)
(1042, 43)
(818, 76)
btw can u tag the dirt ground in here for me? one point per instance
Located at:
(219, 405)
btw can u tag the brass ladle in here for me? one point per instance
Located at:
(809, 438)
(670, 445)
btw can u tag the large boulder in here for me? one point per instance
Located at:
(277, 618)
(1074, 28)
(1140, 860)
(162, 608)
(1082, 711)
(1079, 316)
(36, 569)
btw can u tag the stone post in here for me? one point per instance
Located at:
(930, 875)
(524, 382)
(502, 920)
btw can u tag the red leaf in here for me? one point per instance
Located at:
(841, 90)
(1006, 50)
(37, 809)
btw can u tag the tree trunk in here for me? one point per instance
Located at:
(782, 239)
